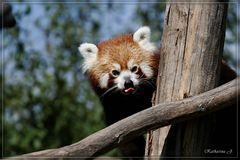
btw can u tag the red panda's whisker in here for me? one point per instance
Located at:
(141, 76)
(109, 91)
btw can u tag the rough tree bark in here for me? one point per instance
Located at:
(191, 52)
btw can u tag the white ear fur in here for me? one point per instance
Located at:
(89, 52)
(142, 37)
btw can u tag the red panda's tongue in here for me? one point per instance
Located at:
(129, 90)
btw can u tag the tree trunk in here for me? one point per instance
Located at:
(191, 52)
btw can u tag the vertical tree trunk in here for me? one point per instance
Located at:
(191, 52)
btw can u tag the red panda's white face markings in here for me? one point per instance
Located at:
(121, 61)
(126, 76)
(133, 67)
(116, 69)
(103, 80)
(146, 69)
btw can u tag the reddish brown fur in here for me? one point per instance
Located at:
(120, 50)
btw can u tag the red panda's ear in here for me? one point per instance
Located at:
(142, 37)
(89, 52)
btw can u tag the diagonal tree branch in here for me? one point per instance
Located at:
(151, 118)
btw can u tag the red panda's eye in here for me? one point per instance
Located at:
(134, 69)
(115, 73)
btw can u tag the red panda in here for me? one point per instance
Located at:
(123, 73)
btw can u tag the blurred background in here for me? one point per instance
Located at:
(46, 100)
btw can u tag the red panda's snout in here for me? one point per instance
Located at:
(127, 82)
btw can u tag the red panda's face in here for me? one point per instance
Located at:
(122, 62)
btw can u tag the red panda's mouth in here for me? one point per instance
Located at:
(129, 90)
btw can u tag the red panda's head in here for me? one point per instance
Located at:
(121, 62)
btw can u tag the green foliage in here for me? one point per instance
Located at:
(48, 102)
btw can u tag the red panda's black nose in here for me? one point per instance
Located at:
(128, 84)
